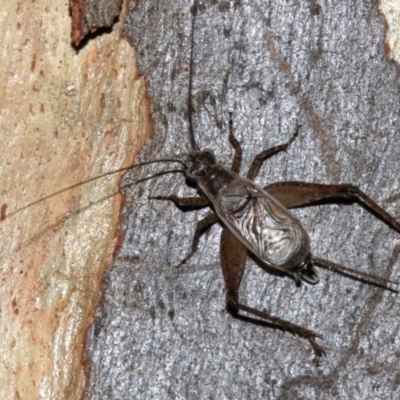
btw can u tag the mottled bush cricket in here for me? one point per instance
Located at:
(258, 220)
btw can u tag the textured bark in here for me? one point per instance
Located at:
(391, 11)
(163, 332)
(90, 15)
(64, 117)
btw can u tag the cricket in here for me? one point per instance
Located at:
(257, 220)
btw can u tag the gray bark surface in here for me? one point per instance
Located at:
(90, 15)
(163, 332)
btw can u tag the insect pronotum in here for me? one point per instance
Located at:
(258, 220)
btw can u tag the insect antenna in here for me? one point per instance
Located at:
(146, 178)
(167, 160)
(361, 276)
(193, 143)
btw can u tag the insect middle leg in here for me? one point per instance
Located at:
(233, 260)
(202, 226)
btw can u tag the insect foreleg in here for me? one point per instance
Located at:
(264, 155)
(237, 158)
(185, 202)
(296, 194)
(203, 225)
(233, 260)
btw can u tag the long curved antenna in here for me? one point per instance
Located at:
(190, 102)
(76, 212)
(90, 180)
(147, 178)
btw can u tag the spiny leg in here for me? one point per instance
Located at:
(233, 259)
(237, 158)
(201, 227)
(264, 155)
(185, 202)
(297, 194)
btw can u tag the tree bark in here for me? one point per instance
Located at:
(65, 116)
(163, 332)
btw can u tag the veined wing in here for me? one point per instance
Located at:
(262, 224)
